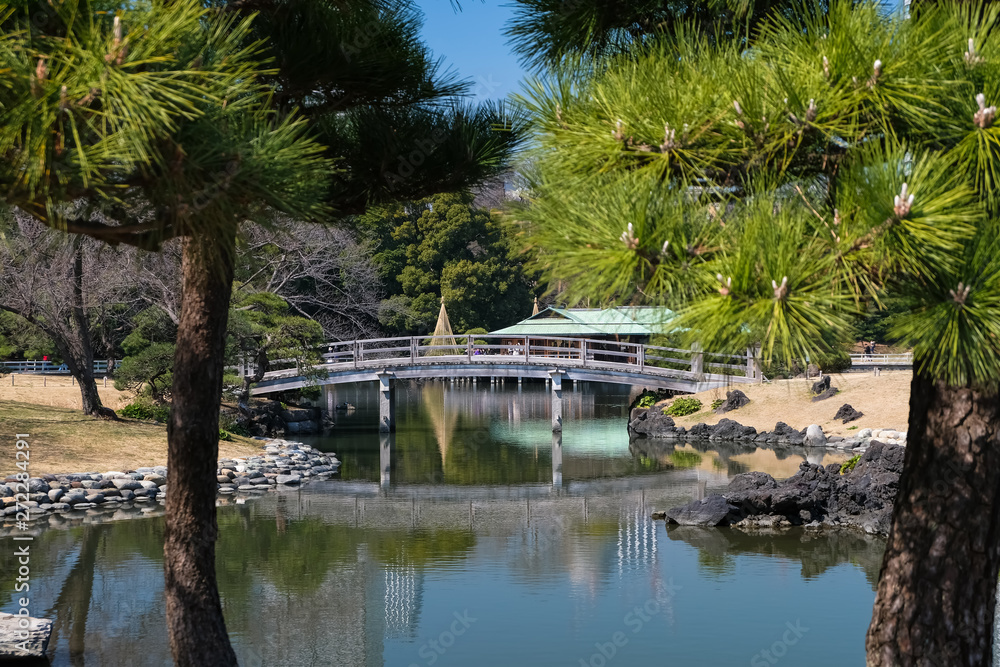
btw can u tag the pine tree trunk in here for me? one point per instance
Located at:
(195, 623)
(937, 589)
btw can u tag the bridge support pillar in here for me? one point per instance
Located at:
(386, 409)
(556, 377)
(557, 459)
(387, 446)
(330, 400)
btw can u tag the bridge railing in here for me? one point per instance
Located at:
(900, 359)
(486, 348)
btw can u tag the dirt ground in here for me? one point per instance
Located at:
(63, 440)
(884, 400)
(57, 391)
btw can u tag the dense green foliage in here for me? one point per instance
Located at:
(446, 247)
(769, 195)
(144, 408)
(549, 32)
(20, 340)
(680, 407)
(149, 355)
(646, 401)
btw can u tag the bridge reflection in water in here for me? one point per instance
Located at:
(467, 436)
(545, 539)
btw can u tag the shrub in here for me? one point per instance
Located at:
(717, 402)
(144, 408)
(225, 435)
(646, 401)
(231, 423)
(848, 465)
(682, 407)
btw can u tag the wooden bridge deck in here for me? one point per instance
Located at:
(506, 357)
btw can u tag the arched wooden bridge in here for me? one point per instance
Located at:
(483, 356)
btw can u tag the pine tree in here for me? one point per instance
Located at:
(768, 194)
(158, 120)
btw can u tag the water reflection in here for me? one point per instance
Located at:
(458, 434)
(537, 544)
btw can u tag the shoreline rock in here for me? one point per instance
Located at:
(20, 643)
(815, 497)
(652, 423)
(281, 463)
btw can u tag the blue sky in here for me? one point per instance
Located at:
(472, 43)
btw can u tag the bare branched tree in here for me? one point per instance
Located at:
(56, 283)
(324, 273)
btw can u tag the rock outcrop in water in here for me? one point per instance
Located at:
(814, 496)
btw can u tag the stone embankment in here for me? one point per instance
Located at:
(652, 423)
(815, 497)
(281, 463)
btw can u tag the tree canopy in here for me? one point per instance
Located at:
(445, 247)
(845, 154)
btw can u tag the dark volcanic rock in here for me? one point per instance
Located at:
(848, 413)
(727, 429)
(861, 498)
(700, 431)
(829, 392)
(652, 422)
(735, 400)
(821, 385)
(786, 435)
(751, 481)
(712, 511)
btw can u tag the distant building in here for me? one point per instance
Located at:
(557, 332)
(626, 324)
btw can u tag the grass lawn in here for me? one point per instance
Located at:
(64, 440)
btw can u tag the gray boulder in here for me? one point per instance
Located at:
(126, 484)
(821, 385)
(735, 400)
(848, 414)
(651, 422)
(786, 435)
(38, 485)
(288, 479)
(829, 392)
(15, 646)
(727, 429)
(711, 511)
(814, 436)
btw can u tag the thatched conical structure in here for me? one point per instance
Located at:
(534, 311)
(443, 335)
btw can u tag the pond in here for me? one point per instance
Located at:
(473, 536)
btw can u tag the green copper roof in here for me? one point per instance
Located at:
(582, 322)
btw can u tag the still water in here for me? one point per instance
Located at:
(474, 537)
